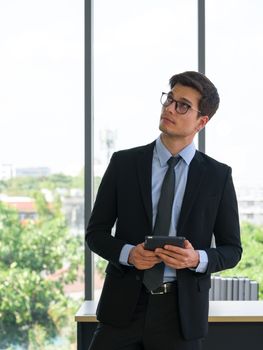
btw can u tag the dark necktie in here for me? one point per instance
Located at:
(153, 278)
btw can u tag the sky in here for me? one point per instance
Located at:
(42, 83)
(138, 45)
(146, 47)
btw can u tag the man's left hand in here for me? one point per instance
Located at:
(179, 258)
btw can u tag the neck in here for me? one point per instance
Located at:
(175, 145)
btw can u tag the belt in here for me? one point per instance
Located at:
(168, 287)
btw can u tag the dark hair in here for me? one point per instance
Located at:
(209, 101)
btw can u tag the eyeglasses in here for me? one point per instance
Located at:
(180, 107)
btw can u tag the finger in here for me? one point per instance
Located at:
(188, 245)
(147, 253)
(150, 261)
(174, 248)
(146, 265)
(168, 255)
(146, 257)
(143, 252)
(168, 249)
(171, 261)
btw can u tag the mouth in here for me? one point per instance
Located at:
(166, 119)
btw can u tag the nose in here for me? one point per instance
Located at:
(171, 107)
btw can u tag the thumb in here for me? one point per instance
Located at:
(188, 245)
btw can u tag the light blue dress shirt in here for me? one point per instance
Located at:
(159, 168)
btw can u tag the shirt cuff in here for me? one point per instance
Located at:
(203, 262)
(124, 255)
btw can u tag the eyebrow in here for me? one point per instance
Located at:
(182, 99)
(187, 101)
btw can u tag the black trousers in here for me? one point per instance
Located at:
(155, 326)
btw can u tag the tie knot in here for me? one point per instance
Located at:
(173, 161)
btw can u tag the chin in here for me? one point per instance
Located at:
(165, 129)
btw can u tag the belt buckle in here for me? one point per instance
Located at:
(156, 293)
(164, 291)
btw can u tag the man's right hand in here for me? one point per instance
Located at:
(141, 258)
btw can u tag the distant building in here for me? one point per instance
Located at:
(250, 204)
(6, 171)
(72, 206)
(73, 209)
(32, 171)
(25, 206)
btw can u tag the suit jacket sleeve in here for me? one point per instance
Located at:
(228, 248)
(103, 217)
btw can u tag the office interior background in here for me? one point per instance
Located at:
(74, 89)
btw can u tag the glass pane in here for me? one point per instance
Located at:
(41, 172)
(234, 136)
(138, 45)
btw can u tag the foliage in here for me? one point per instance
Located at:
(38, 333)
(29, 254)
(27, 185)
(101, 266)
(251, 264)
(97, 181)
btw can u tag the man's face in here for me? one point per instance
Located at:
(185, 125)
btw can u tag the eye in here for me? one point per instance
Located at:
(183, 107)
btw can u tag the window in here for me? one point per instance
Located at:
(41, 171)
(138, 46)
(234, 62)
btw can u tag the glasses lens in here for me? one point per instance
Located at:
(165, 100)
(182, 107)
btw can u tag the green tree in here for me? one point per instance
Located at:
(28, 185)
(30, 299)
(20, 185)
(251, 264)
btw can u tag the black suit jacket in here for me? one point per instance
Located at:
(124, 197)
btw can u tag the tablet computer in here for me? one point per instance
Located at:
(153, 242)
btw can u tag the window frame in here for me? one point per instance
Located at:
(89, 122)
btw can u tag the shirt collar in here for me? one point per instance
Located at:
(163, 154)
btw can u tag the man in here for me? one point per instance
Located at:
(174, 315)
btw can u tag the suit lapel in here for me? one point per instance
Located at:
(195, 176)
(144, 170)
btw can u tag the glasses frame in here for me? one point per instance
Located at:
(176, 103)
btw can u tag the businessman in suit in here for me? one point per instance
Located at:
(173, 314)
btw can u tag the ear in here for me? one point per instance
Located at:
(202, 122)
